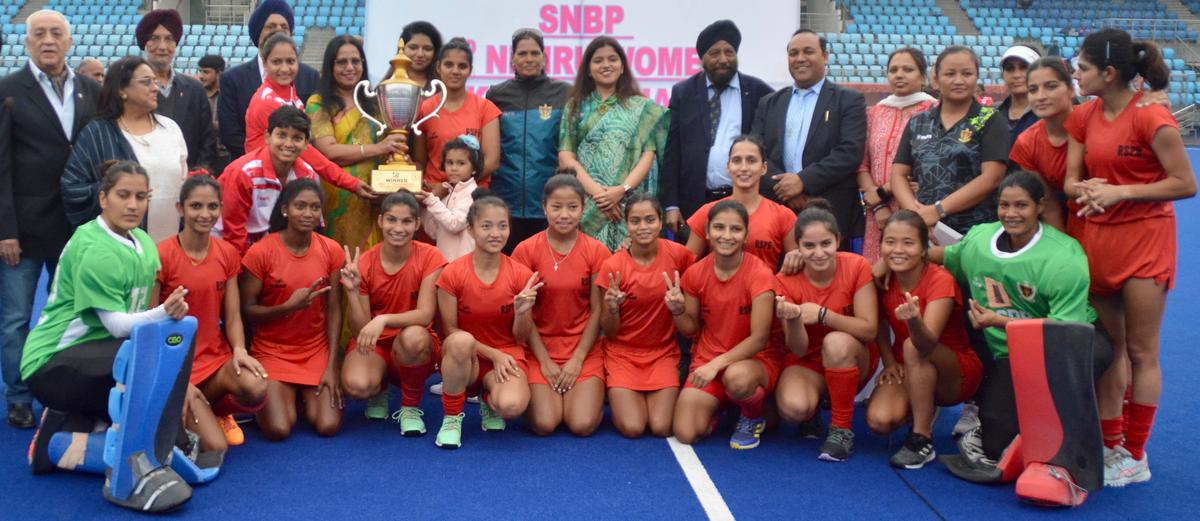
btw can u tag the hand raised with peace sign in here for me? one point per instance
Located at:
(304, 297)
(614, 297)
(910, 309)
(674, 296)
(350, 277)
(523, 302)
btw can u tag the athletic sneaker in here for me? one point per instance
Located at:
(968, 419)
(1121, 469)
(970, 445)
(748, 433)
(379, 405)
(410, 421)
(491, 420)
(39, 457)
(450, 435)
(916, 452)
(838, 446)
(437, 389)
(233, 433)
(811, 428)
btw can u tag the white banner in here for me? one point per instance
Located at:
(659, 36)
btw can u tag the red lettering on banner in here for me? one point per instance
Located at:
(549, 23)
(613, 15)
(580, 19)
(562, 60)
(670, 61)
(593, 19)
(692, 63)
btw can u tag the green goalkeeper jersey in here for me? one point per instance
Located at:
(98, 271)
(1048, 278)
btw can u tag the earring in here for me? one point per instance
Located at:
(284, 215)
(123, 96)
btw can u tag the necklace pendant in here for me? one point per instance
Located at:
(556, 266)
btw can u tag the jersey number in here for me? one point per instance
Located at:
(138, 299)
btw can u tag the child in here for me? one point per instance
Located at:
(445, 218)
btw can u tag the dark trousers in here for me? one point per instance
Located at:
(521, 228)
(78, 379)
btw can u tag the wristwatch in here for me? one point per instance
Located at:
(627, 188)
(940, 209)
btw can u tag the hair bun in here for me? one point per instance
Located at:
(818, 203)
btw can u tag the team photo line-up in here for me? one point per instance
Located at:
(746, 249)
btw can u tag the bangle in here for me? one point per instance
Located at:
(878, 207)
(627, 188)
(362, 152)
(821, 315)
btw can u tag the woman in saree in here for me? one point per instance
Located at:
(610, 137)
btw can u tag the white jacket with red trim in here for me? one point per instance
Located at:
(249, 189)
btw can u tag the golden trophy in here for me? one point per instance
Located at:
(399, 103)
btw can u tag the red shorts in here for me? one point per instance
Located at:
(716, 388)
(1141, 249)
(593, 366)
(970, 374)
(203, 369)
(813, 362)
(485, 367)
(640, 369)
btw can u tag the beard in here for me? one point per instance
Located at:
(721, 76)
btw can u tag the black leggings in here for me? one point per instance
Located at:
(997, 400)
(78, 378)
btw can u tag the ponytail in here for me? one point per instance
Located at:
(1149, 63)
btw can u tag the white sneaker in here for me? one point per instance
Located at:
(968, 419)
(970, 445)
(1121, 469)
(437, 389)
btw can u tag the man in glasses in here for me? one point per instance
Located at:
(180, 97)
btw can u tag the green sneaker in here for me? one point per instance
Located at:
(450, 435)
(491, 420)
(378, 406)
(410, 421)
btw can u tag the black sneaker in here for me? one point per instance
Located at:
(20, 415)
(811, 428)
(916, 452)
(838, 446)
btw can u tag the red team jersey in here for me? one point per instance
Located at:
(644, 356)
(293, 348)
(206, 282)
(725, 307)
(769, 224)
(564, 302)
(1034, 152)
(1119, 151)
(486, 310)
(936, 283)
(475, 113)
(395, 292)
(853, 273)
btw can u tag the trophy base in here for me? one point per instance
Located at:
(395, 177)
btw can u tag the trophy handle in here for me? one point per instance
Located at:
(365, 85)
(433, 88)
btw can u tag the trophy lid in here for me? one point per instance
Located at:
(400, 64)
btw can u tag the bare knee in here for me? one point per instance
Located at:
(795, 407)
(275, 429)
(458, 348)
(543, 425)
(508, 407)
(328, 427)
(739, 381)
(412, 345)
(583, 425)
(686, 435)
(214, 443)
(359, 386)
(251, 390)
(629, 428)
(838, 349)
(883, 421)
(660, 428)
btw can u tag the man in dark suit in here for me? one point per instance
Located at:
(239, 83)
(43, 106)
(180, 97)
(815, 132)
(708, 110)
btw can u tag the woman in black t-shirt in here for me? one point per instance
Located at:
(956, 153)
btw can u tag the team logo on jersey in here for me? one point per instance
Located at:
(174, 340)
(1028, 291)
(965, 136)
(996, 295)
(506, 309)
(544, 111)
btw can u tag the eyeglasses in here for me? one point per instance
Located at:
(145, 82)
(348, 61)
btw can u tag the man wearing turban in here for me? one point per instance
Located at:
(180, 97)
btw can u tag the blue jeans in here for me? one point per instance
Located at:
(18, 284)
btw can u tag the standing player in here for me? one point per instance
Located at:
(568, 384)
(1042, 149)
(391, 299)
(930, 362)
(641, 358)
(297, 319)
(829, 312)
(100, 294)
(726, 302)
(1135, 165)
(485, 299)
(222, 370)
(769, 235)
